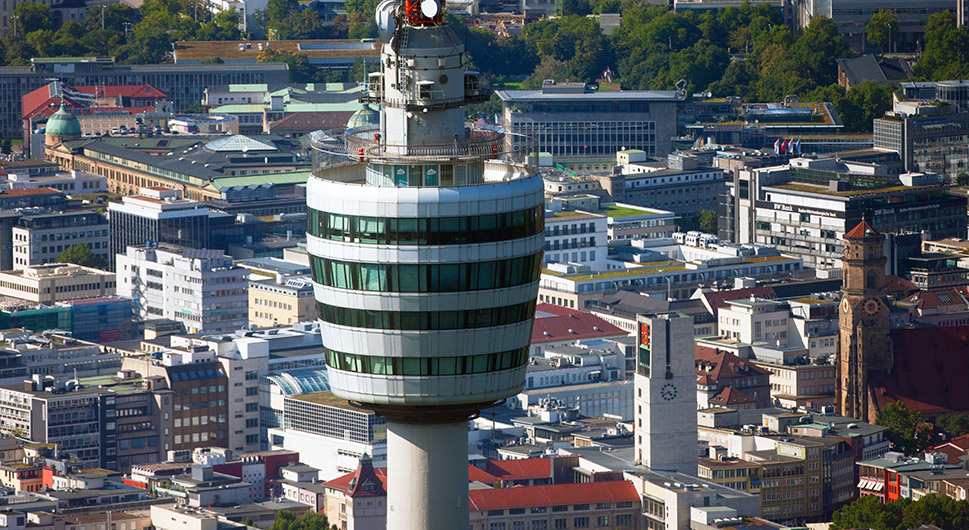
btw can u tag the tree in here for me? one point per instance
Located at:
(906, 430)
(310, 520)
(707, 221)
(81, 255)
(882, 29)
(818, 49)
(864, 103)
(869, 512)
(31, 16)
(954, 423)
(945, 49)
(902, 514)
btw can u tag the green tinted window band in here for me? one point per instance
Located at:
(429, 278)
(487, 228)
(426, 320)
(427, 366)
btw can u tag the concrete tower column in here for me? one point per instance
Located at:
(427, 483)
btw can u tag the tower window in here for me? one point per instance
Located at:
(871, 281)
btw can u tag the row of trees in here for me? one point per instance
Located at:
(902, 514)
(746, 51)
(116, 30)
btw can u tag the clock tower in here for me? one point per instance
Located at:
(865, 346)
(666, 435)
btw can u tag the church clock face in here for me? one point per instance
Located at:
(871, 306)
(844, 304)
(668, 392)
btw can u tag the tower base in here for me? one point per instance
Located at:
(427, 475)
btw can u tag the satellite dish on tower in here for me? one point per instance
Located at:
(430, 8)
(386, 23)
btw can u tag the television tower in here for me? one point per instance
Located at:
(425, 235)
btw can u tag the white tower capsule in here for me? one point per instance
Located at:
(426, 237)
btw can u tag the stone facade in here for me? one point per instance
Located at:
(864, 322)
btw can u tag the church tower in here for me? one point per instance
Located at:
(865, 347)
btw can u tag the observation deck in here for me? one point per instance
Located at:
(343, 155)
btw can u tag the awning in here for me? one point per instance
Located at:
(863, 484)
(879, 486)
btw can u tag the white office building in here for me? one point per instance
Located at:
(576, 237)
(199, 287)
(70, 182)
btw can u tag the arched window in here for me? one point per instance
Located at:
(870, 283)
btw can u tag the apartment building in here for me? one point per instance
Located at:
(200, 409)
(108, 421)
(244, 360)
(791, 479)
(41, 237)
(281, 302)
(613, 505)
(56, 282)
(576, 237)
(731, 472)
(199, 287)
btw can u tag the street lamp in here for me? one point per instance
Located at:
(14, 26)
(103, 7)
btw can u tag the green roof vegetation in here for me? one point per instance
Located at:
(614, 211)
(809, 300)
(639, 271)
(572, 214)
(325, 398)
(295, 177)
(811, 188)
(45, 60)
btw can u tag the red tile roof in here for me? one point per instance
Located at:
(731, 396)
(524, 469)
(715, 300)
(895, 285)
(955, 449)
(962, 442)
(34, 191)
(479, 475)
(863, 230)
(44, 100)
(931, 367)
(365, 481)
(954, 455)
(936, 299)
(722, 366)
(552, 495)
(569, 324)
(113, 91)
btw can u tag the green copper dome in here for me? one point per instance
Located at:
(364, 117)
(63, 123)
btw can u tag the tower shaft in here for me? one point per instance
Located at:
(427, 477)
